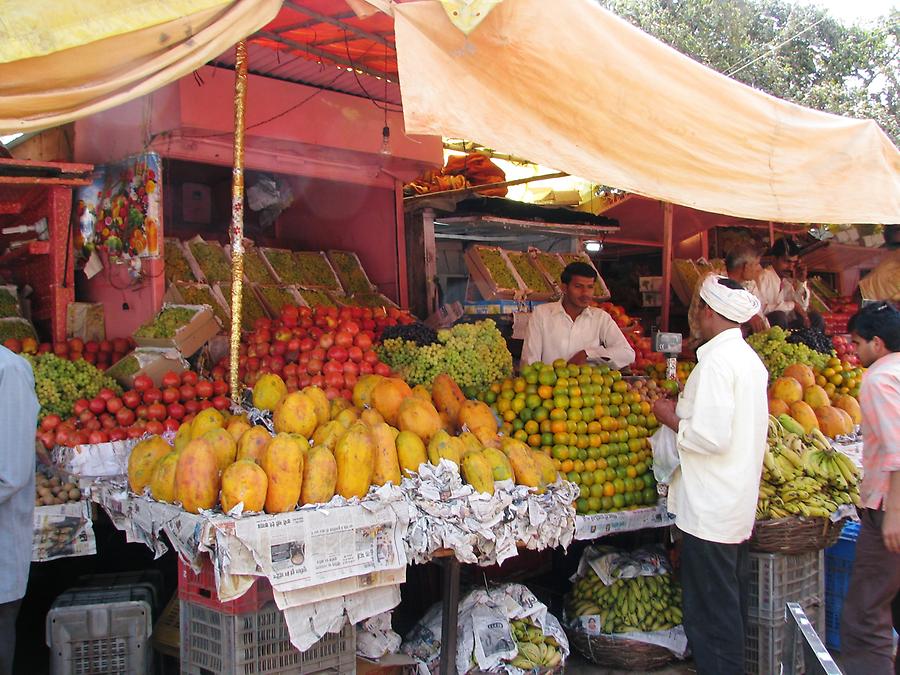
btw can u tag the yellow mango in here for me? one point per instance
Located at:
(162, 484)
(282, 461)
(223, 445)
(371, 417)
(268, 391)
(524, 468)
(362, 391)
(477, 472)
(355, 457)
(244, 481)
(143, 459)
(252, 443)
(320, 402)
(206, 420)
(499, 464)
(410, 452)
(197, 477)
(319, 476)
(387, 466)
(183, 436)
(296, 414)
(328, 435)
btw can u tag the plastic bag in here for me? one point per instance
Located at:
(666, 459)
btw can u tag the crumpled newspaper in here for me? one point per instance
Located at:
(485, 636)
(480, 528)
(375, 637)
(611, 563)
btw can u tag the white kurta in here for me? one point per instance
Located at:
(780, 295)
(721, 440)
(553, 335)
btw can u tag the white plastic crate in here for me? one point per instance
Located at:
(100, 638)
(257, 643)
(777, 578)
(764, 643)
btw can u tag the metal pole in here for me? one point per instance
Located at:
(668, 217)
(237, 214)
(449, 615)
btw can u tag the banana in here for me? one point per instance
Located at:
(790, 424)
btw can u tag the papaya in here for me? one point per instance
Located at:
(321, 404)
(236, 426)
(522, 461)
(387, 397)
(268, 391)
(477, 472)
(499, 463)
(162, 484)
(420, 417)
(850, 406)
(296, 414)
(447, 397)
(183, 436)
(355, 457)
(206, 420)
(252, 443)
(371, 417)
(477, 417)
(328, 435)
(282, 461)
(410, 452)
(362, 390)
(197, 477)
(347, 417)
(546, 466)
(421, 392)
(244, 481)
(387, 466)
(445, 446)
(223, 445)
(319, 476)
(143, 459)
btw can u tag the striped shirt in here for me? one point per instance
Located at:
(879, 398)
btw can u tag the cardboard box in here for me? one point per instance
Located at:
(86, 320)
(650, 284)
(189, 338)
(391, 664)
(151, 362)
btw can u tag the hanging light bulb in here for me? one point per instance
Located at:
(593, 246)
(385, 141)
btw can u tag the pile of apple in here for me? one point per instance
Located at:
(325, 347)
(618, 314)
(101, 353)
(845, 350)
(145, 409)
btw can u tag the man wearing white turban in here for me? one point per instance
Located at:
(721, 421)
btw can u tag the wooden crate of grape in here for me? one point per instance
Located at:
(187, 293)
(538, 285)
(183, 327)
(493, 274)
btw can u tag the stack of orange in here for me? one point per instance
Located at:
(592, 423)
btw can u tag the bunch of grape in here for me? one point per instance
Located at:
(473, 354)
(777, 353)
(59, 383)
(212, 260)
(315, 270)
(166, 323)
(812, 338)
(496, 265)
(255, 268)
(177, 266)
(417, 332)
(349, 271)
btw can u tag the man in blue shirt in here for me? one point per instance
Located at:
(18, 421)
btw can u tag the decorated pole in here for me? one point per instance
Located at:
(237, 215)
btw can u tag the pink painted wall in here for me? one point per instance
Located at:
(331, 215)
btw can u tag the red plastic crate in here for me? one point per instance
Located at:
(200, 589)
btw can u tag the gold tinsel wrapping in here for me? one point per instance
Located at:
(237, 214)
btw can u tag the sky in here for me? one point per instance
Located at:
(856, 11)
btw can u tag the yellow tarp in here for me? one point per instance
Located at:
(76, 62)
(570, 85)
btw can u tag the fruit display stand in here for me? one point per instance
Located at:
(594, 526)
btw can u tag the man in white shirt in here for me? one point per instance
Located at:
(721, 422)
(782, 289)
(574, 331)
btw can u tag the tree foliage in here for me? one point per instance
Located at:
(795, 52)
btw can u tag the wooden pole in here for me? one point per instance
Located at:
(771, 233)
(237, 216)
(668, 217)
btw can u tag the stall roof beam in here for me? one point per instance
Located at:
(498, 224)
(323, 54)
(335, 21)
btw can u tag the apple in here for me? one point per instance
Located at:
(120, 345)
(307, 345)
(221, 388)
(135, 432)
(96, 437)
(171, 425)
(337, 353)
(176, 411)
(114, 404)
(192, 406)
(314, 366)
(382, 369)
(142, 383)
(171, 379)
(155, 427)
(190, 377)
(188, 392)
(205, 389)
(343, 339)
(141, 412)
(97, 405)
(131, 398)
(355, 353)
(221, 403)
(152, 395)
(50, 422)
(326, 340)
(363, 340)
(125, 417)
(156, 411)
(170, 395)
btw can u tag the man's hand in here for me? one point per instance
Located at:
(890, 530)
(579, 359)
(803, 315)
(664, 409)
(800, 272)
(758, 323)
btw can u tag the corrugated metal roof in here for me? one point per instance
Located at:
(321, 44)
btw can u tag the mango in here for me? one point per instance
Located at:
(778, 407)
(338, 404)
(206, 420)
(805, 415)
(268, 391)
(445, 446)
(802, 373)
(282, 461)
(355, 457)
(447, 397)
(319, 476)
(387, 397)
(850, 406)
(236, 426)
(162, 484)
(520, 457)
(477, 417)
(321, 404)
(244, 481)
(419, 417)
(787, 389)
(470, 442)
(197, 476)
(143, 459)
(833, 421)
(183, 436)
(371, 417)
(421, 392)
(549, 474)
(327, 436)
(477, 472)
(296, 414)
(499, 463)
(816, 397)
(387, 466)
(362, 390)
(252, 443)
(223, 445)
(410, 452)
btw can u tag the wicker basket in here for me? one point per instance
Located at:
(795, 534)
(613, 652)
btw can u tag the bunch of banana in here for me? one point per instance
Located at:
(536, 650)
(802, 475)
(628, 605)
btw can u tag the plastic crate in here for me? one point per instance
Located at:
(838, 566)
(776, 579)
(151, 579)
(256, 643)
(200, 589)
(764, 642)
(167, 632)
(99, 638)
